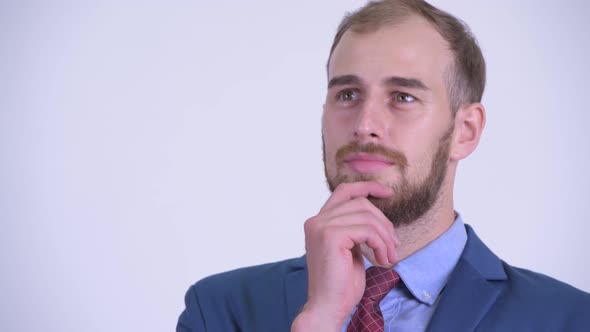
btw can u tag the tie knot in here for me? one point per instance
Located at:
(379, 281)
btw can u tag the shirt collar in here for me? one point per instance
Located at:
(425, 272)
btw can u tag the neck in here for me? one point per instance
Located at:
(422, 231)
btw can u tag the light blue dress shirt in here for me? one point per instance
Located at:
(424, 274)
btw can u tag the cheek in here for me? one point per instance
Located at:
(337, 123)
(333, 138)
(421, 164)
(329, 156)
(418, 158)
(329, 152)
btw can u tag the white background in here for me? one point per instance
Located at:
(145, 146)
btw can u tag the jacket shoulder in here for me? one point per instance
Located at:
(540, 298)
(245, 299)
(535, 284)
(255, 278)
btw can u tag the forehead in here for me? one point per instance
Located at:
(412, 48)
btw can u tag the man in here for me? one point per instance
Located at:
(387, 251)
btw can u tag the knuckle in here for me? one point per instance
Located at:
(366, 203)
(309, 224)
(375, 228)
(368, 216)
(359, 203)
(343, 187)
(390, 226)
(376, 243)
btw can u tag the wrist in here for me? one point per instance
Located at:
(314, 320)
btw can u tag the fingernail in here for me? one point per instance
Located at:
(392, 257)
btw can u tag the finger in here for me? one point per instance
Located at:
(366, 220)
(349, 236)
(347, 191)
(357, 207)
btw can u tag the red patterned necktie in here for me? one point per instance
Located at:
(368, 317)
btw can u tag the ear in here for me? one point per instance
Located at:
(469, 123)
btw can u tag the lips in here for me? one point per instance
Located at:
(367, 163)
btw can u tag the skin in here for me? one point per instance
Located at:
(409, 120)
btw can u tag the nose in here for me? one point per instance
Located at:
(371, 123)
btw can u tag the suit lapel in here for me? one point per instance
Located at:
(296, 289)
(472, 289)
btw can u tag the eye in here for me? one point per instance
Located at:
(404, 98)
(347, 95)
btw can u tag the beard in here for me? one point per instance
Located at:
(410, 201)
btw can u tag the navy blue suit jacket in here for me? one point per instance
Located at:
(483, 294)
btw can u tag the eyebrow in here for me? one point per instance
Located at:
(406, 82)
(344, 80)
(412, 83)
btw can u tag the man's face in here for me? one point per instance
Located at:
(387, 116)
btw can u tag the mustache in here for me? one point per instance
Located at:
(371, 148)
